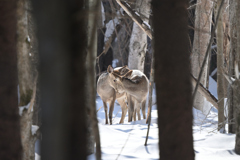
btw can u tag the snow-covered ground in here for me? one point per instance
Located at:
(126, 141)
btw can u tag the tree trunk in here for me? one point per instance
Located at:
(220, 65)
(236, 102)
(236, 85)
(25, 79)
(226, 41)
(203, 18)
(91, 87)
(10, 142)
(172, 77)
(138, 40)
(233, 51)
(62, 35)
(23, 45)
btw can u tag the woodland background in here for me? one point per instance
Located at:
(52, 52)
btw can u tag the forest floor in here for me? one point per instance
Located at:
(126, 141)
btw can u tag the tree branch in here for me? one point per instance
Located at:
(204, 92)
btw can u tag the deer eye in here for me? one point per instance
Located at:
(114, 80)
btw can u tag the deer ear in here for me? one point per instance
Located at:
(110, 69)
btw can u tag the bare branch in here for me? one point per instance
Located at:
(205, 92)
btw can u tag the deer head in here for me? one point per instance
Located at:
(116, 76)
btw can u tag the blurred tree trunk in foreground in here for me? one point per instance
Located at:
(172, 77)
(10, 143)
(62, 35)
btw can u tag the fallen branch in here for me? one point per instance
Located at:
(136, 18)
(204, 92)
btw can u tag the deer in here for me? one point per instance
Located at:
(108, 94)
(135, 84)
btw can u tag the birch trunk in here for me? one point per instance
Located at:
(138, 40)
(203, 18)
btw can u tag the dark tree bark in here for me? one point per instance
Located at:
(62, 32)
(10, 143)
(172, 77)
(232, 57)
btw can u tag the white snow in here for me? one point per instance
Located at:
(21, 108)
(114, 63)
(34, 129)
(110, 26)
(126, 141)
(103, 14)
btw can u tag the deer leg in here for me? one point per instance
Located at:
(105, 109)
(134, 115)
(124, 108)
(138, 110)
(111, 107)
(130, 108)
(144, 109)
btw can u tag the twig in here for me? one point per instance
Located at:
(208, 50)
(99, 109)
(150, 99)
(125, 142)
(116, 114)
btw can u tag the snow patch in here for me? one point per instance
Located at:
(114, 63)
(34, 129)
(21, 108)
(110, 26)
